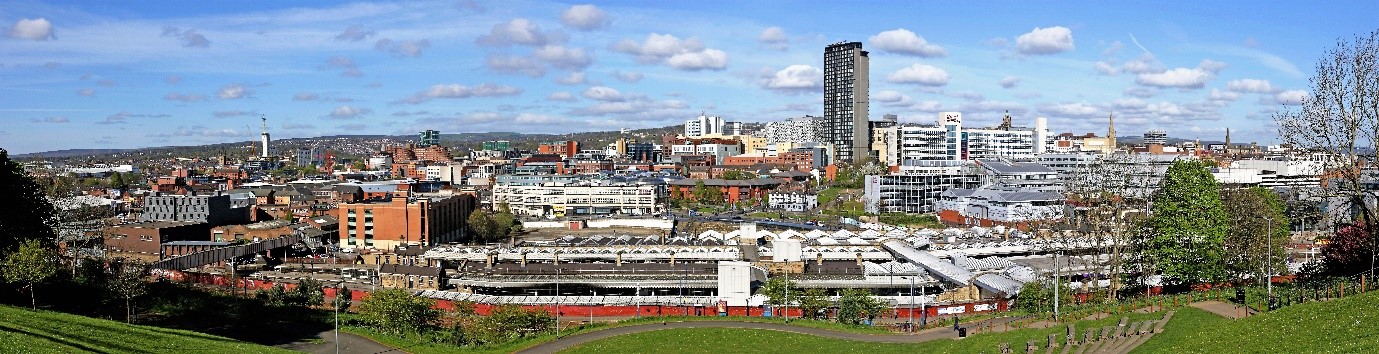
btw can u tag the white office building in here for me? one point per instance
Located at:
(948, 140)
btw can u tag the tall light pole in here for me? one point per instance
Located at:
(1269, 260)
(1055, 284)
(337, 310)
(912, 303)
(557, 298)
(787, 296)
(638, 297)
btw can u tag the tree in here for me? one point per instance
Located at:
(1348, 252)
(776, 289)
(1338, 121)
(31, 264)
(398, 312)
(735, 175)
(502, 224)
(858, 305)
(343, 298)
(128, 282)
(1257, 218)
(309, 292)
(813, 301)
(1189, 225)
(1037, 297)
(480, 226)
(1105, 207)
(28, 215)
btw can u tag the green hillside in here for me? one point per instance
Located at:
(26, 331)
(1347, 325)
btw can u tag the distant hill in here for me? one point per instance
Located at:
(68, 153)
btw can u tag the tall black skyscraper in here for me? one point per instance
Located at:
(846, 83)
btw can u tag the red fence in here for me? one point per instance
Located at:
(596, 310)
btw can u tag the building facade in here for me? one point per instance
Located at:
(846, 84)
(405, 218)
(562, 200)
(794, 201)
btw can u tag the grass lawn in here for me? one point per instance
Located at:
(829, 194)
(713, 340)
(53, 332)
(415, 345)
(1347, 325)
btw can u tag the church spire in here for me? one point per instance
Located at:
(1111, 130)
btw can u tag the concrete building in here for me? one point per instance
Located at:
(793, 201)
(846, 100)
(795, 130)
(706, 125)
(214, 210)
(1159, 137)
(143, 240)
(948, 140)
(405, 218)
(916, 186)
(411, 277)
(717, 148)
(428, 138)
(998, 204)
(577, 198)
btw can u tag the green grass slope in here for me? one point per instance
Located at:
(26, 331)
(1348, 325)
(721, 340)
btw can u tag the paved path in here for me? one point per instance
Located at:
(349, 343)
(922, 336)
(1223, 309)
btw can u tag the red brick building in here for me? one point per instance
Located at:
(733, 191)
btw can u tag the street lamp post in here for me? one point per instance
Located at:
(787, 296)
(557, 299)
(912, 303)
(337, 310)
(638, 297)
(1055, 284)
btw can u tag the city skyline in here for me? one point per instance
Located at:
(93, 75)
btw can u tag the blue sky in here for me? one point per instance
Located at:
(91, 74)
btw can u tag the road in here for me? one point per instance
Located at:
(349, 343)
(579, 339)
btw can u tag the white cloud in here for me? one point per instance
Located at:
(1211, 65)
(305, 96)
(184, 97)
(1291, 97)
(992, 107)
(1222, 96)
(585, 17)
(406, 48)
(968, 95)
(1075, 110)
(345, 64)
(57, 119)
(189, 37)
(709, 59)
(519, 31)
(511, 64)
(228, 114)
(1107, 69)
(774, 38)
(1010, 82)
(603, 93)
(575, 78)
(1141, 91)
(461, 91)
(37, 29)
(561, 96)
(892, 99)
(794, 79)
(563, 57)
(348, 112)
(1144, 64)
(1250, 86)
(920, 74)
(628, 76)
(1183, 78)
(355, 33)
(234, 91)
(1045, 41)
(902, 41)
(688, 54)
(86, 92)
